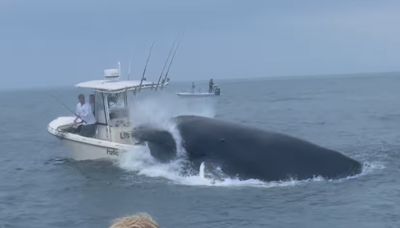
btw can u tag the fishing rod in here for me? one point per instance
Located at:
(145, 67)
(170, 63)
(165, 64)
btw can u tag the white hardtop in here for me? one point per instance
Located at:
(115, 85)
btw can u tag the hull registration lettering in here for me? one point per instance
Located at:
(112, 151)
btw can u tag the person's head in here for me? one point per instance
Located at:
(136, 221)
(81, 98)
(91, 99)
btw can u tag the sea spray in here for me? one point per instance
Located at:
(161, 108)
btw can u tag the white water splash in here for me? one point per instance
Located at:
(201, 171)
(158, 110)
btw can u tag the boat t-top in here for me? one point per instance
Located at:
(113, 126)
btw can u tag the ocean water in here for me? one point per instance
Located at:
(40, 186)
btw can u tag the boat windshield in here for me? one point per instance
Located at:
(99, 109)
(117, 105)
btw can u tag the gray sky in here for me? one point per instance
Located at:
(55, 42)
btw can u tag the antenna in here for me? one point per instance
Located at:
(145, 67)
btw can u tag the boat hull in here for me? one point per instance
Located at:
(84, 151)
(188, 94)
(86, 148)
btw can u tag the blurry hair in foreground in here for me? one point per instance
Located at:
(141, 220)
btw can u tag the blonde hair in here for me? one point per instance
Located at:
(141, 220)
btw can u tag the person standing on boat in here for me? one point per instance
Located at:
(193, 87)
(211, 86)
(85, 117)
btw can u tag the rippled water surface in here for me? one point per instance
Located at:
(359, 116)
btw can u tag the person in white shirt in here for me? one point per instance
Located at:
(85, 117)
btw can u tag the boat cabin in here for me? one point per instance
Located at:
(111, 104)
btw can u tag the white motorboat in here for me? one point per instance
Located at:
(216, 91)
(113, 126)
(195, 94)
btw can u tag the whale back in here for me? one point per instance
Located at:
(246, 152)
(253, 153)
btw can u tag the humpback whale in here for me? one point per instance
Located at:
(246, 152)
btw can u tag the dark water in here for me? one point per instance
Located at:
(359, 116)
